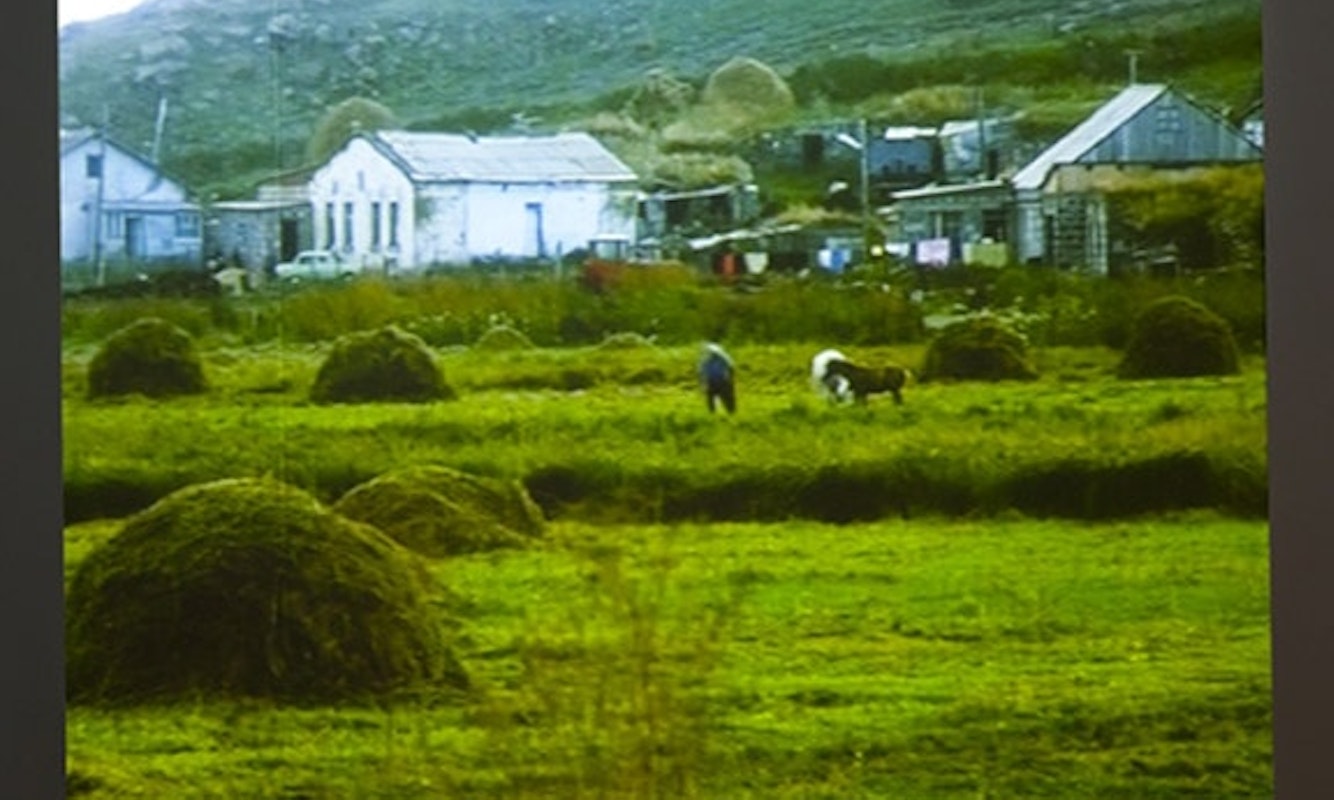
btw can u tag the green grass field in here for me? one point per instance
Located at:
(1049, 589)
(931, 659)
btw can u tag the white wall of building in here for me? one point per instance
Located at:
(454, 222)
(357, 186)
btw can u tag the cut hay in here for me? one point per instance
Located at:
(251, 588)
(503, 337)
(438, 511)
(1176, 337)
(978, 349)
(627, 340)
(384, 365)
(150, 357)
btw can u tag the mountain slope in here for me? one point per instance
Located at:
(245, 79)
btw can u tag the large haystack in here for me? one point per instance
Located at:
(251, 588)
(1176, 337)
(150, 357)
(384, 365)
(978, 349)
(439, 511)
(747, 83)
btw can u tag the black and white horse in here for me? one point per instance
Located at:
(718, 376)
(838, 379)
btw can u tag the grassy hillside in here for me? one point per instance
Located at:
(245, 80)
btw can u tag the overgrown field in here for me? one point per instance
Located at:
(623, 435)
(1055, 588)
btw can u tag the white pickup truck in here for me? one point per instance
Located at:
(315, 264)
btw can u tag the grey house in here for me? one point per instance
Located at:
(1060, 204)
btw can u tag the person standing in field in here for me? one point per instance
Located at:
(718, 375)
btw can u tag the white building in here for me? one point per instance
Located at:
(408, 200)
(117, 206)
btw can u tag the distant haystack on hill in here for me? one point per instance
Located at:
(747, 83)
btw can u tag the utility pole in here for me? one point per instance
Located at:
(865, 168)
(1133, 55)
(157, 129)
(99, 258)
(981, 135)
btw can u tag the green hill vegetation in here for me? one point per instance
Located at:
(246, 88)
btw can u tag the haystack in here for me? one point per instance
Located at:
(151, 357)
(1176, 337)
(439, 511)
(978, 349)
(384, 365)
(626, 340)
(251, 588)
(503, 337)
(745, 82)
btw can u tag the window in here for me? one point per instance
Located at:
(1167, 124)
(93, 166)
(329, 233)
(347, 226)
(375, 226)
(113, 224)
(187, 225)
(393, 224)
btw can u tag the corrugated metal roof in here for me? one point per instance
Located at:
(898, 132)
(513, 159)
(70, 139)
(1087, 134)
(936, 190)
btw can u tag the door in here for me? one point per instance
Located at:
(136, 244)
(288, 244)
(533, 244)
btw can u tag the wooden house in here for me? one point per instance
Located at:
(405, 200)
(1060, 203)
(119, 208)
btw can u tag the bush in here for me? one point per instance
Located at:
(250, 588)
(388, 364)
(150, 357)
(439, 512)
(1176, 337)
(980, 348)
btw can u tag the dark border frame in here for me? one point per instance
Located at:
(1298, 71)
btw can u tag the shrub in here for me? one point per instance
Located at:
(438, 511)
(387, 364)
(980, 348)
(1176, 337)
(250, 588)
(151, 357)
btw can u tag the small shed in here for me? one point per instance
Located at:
(257, 234)
(965, 215)
(712, 208)
(904, 157)
(972, 149)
